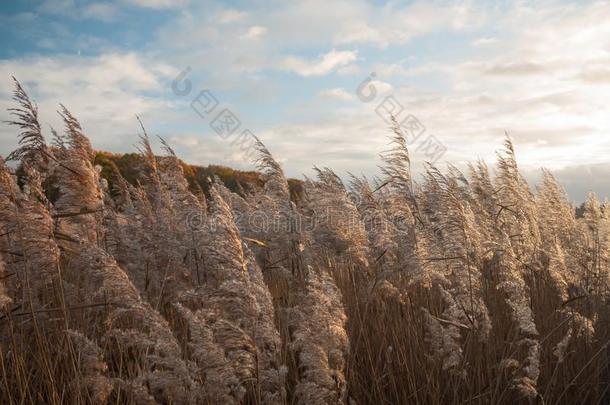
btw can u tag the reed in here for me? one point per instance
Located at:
(460, 288)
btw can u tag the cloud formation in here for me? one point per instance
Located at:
(469, 71)
(104, 92)
(325, 64)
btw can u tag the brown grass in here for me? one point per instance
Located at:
(460, 289)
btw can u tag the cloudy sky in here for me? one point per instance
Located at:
(315, 80)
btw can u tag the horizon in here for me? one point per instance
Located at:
(316, 81)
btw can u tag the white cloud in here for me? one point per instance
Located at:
(538, 70)
(485, 41)
(255, 32)
(230, 16)
(542, 80)
(326, 63)
(300, 144)
(349, 70)
(337, 94)
(103, 92)
(596, 74)
(515, 69)
(100, 11)
(346, 22)
(382, 88)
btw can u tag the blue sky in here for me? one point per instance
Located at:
(468, 71)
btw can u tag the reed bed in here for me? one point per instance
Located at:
(460, 288)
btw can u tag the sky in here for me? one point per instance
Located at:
(317, 80)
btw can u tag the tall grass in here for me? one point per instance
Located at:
(461, 288)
